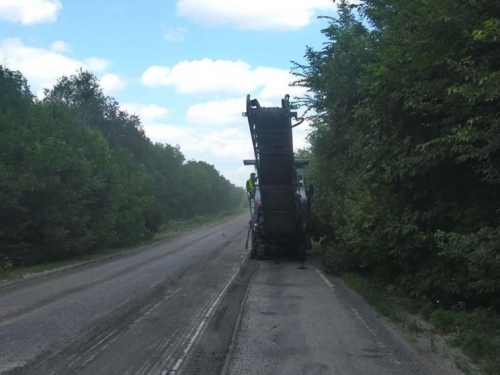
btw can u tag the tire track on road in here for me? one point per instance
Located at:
(20, 311)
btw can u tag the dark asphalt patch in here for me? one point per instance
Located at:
(209, 355)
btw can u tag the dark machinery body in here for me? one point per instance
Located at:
(281, 205)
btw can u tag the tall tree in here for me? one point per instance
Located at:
(78, 174)
(407, 142)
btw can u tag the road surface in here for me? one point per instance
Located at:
(196, 304)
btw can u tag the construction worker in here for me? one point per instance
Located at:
(251, 183)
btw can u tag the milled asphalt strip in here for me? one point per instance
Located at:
(203, 323)
(192, 338)
(234, 336)
(102, 344)
(161, 367)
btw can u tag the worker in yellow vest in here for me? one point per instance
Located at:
(251, 182)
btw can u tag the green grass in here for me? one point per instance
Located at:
(462, 366)
(170, 229)
(413, 327)
(373, 295)
(476, 333)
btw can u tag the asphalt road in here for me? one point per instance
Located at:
(137, 314)
(303, 322)
(197, 305)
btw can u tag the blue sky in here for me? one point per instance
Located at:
(184, 66)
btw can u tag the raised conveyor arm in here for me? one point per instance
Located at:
(271, 132)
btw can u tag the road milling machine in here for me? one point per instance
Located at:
(280, 204)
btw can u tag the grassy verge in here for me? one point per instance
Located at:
(170, 229)
(374, 296)
(476, 333)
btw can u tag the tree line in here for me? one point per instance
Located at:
(406, 146)
(78, 174)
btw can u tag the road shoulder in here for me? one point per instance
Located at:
(305, 322)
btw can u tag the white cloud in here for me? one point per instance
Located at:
(111, 84)
(166, 133)
(175, 35)
(202, 76)
(59, 46)
(216, 146)
(223, 77)
(255, 14)
(224, 148)
(155, 76)
(96, 65)
(300, 134)
(217, 112)
(29, 11)
(147, 112)
(217, 134)
(42, 67)
(276, 83)
(229, 144)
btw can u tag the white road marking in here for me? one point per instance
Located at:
(360, 318)
(202, 324)
(328, 282)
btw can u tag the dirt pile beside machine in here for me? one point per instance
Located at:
(280, 204)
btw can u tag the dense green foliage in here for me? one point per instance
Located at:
(78, 174)
(406, 145)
